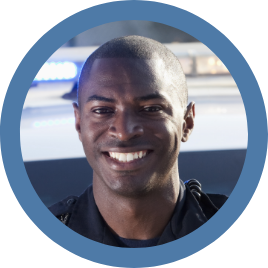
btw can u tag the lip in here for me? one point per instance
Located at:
(126, 166)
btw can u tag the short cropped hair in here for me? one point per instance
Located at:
(137, 47)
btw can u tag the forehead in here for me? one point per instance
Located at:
(128, 77)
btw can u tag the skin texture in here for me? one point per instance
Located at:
(129, 105)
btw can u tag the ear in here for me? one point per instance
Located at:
(77, 115)
(188, 124)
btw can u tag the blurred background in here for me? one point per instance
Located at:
(53, 155)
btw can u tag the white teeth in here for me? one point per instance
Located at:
(127, 157)
(130, 157)
(122, 157)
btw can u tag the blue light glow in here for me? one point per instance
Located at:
(51, 71)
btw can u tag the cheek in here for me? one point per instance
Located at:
(91, 134)
(168, 133)
(91, 128)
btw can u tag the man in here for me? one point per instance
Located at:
(131, 117)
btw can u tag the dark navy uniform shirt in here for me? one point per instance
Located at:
(81, 214)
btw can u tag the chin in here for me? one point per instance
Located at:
(129, 185)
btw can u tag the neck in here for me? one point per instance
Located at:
(143, 217)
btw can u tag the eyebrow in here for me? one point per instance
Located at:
(100, 98)
(142, 98)
(151, 97)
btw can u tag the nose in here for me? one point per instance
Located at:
(126, 126)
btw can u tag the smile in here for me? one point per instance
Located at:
(128, 157)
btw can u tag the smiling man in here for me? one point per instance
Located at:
(131, 117)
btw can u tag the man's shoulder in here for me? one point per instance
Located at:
(209, 203)
(64, 206)
(196, 189)
(218, 199)
(69, 205)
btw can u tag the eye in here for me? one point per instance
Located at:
(152, 109)
(102, 111)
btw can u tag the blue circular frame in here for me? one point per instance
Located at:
(118, 11)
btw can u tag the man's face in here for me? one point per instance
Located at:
(130, 122)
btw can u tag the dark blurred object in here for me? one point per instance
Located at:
(72, 95)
